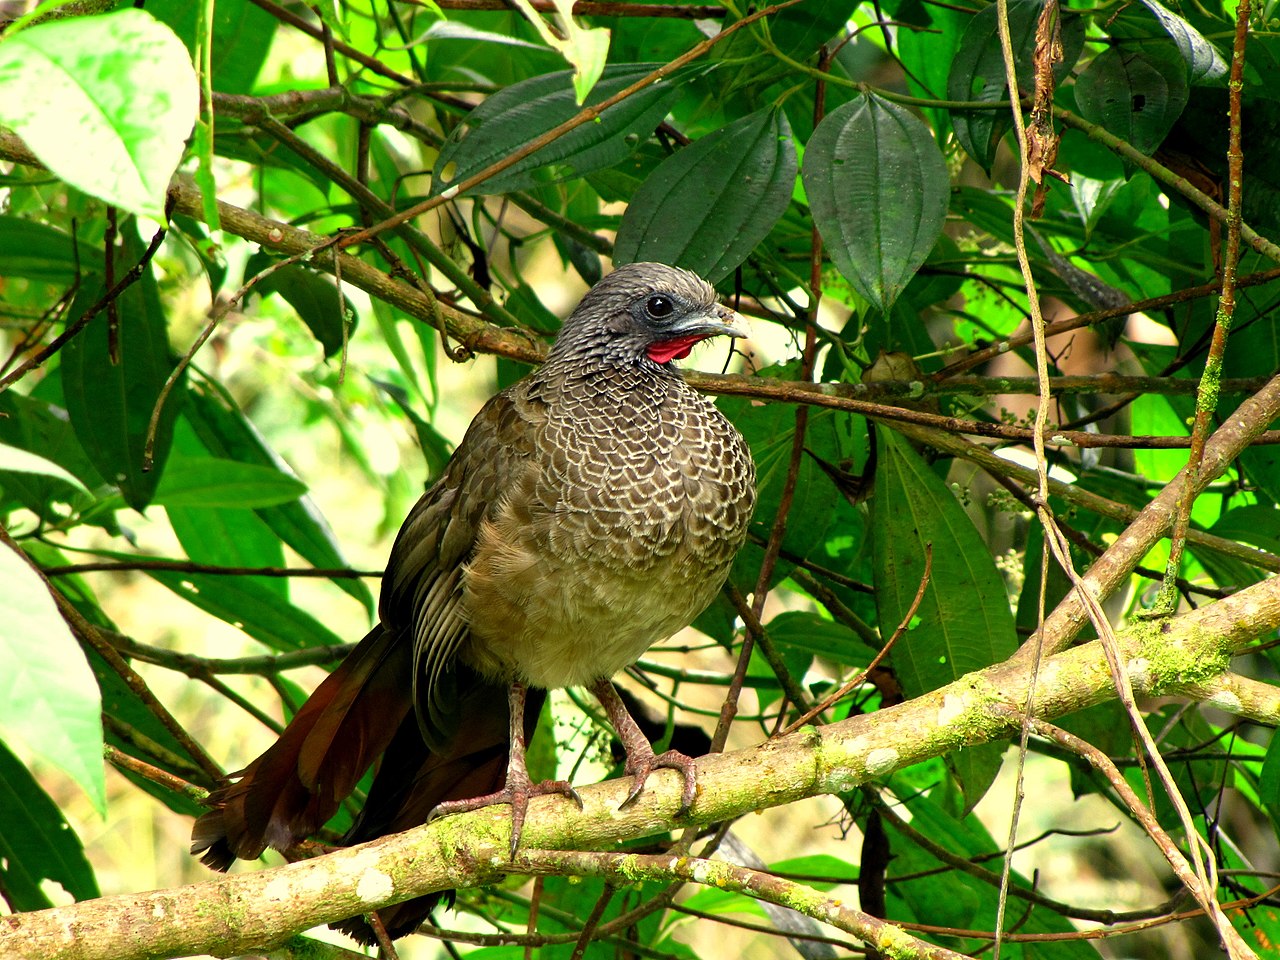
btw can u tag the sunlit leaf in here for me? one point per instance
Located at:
(49, 702)
(105, 102)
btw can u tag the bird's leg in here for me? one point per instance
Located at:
(641, 760)
(518, 788)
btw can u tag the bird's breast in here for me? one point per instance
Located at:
(618, 535)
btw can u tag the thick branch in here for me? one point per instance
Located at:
(238, 914)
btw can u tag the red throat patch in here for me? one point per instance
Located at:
(676, 349)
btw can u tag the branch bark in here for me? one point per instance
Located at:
(231, 915)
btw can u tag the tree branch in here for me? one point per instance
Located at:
(232, 915)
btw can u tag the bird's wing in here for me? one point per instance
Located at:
(422, 588)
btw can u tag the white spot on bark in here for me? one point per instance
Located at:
(881, 761)
(374, 885)
(1139, 670)
(1226, 700)
(953, 707)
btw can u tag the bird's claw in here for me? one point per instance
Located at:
(517, 794)
(641, 766)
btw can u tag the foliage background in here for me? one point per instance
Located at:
(857, 152)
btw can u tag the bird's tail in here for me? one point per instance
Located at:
(297, 784)
(362, 710)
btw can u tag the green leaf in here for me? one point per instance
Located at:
(878, 188)
(520, 113)
(242, 35)
(41, 252)
(105, 102)
(226, 537)
(313, 296)
(769, 430)
(1269, 780)
(802, 630)
(1137, 95)
(49, 702)
(37, 843)
(706, 207)
(964, 622)
(225, 432)
(15, 460)
(1202, 57)
(247, 605)
(110, 404)
(977, 72)
(212, 482)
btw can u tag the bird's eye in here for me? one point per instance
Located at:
(659, 306)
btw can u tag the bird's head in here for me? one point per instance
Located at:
(646, 310)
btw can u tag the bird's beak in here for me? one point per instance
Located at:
(719, 321)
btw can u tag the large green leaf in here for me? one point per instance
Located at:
(244, 603)
(770, 432)
(514, 117)
(110, 404)
(37, 843)
(17, 460)
(878, 188)
(42, 252)
(795, 32)
(807, 631)
(706, 207)
(226, 537)
(213, 482)
(977, 72)
(242, 35)
(1136, 94)
(105, 102)
(225, 432)
(49, 702)
(1202, 58)
(964, 622)
(329, 316)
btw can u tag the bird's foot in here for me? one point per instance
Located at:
(643, 761)
(517, 792)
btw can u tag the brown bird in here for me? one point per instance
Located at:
(592, 509)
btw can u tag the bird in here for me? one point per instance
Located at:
(592, 509)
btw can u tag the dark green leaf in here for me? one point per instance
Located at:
(770, 432)
(1269, 780)
(227, 537)
(37, 844)
(706, 207)
(519, 114)
(964, 622)
(226, 432)
(314, 296)
(250, 606)
(212, 482)
(1137, 95)
(977, 72)
(801, 630)
(41, 252)
(1202, 58)
(110, 404)
(242, 35)
(796, 33)
(878, 188)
